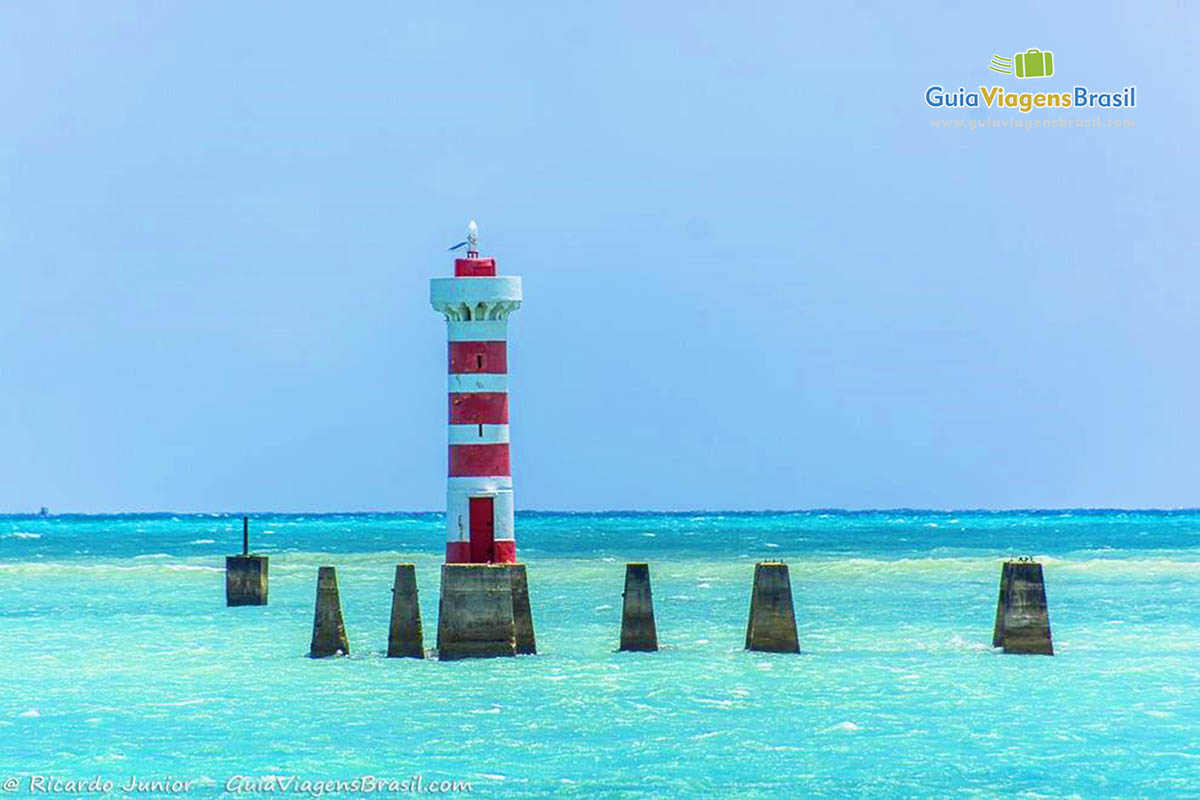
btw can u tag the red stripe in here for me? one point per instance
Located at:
(490, 357)
(472, 408)
(474, 267)
(505, 551)
(478, 460)
(458, 552)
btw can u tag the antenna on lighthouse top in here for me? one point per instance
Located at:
(472, 240)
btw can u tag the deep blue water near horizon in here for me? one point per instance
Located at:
(120, 658)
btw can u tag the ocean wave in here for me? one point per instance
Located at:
(1145, 568)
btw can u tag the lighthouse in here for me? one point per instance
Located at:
(476, 303)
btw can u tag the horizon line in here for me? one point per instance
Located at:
(631, 511)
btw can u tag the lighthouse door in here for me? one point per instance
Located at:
(482, 514)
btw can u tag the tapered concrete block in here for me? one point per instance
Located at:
(475, 612)
(1025, 621)
(405, 638)
(522, 613)
(246, 580)
(329, 631)
(772, 623)
(1001, 603)
(638, 632)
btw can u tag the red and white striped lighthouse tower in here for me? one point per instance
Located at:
(479, 497)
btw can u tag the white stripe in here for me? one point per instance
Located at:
(478, 382)
(476, 289)
(477, 485)
(478, 434)
(485, 331)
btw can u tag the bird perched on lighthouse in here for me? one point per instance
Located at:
(472, 242)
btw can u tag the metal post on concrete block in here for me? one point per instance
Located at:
(246, 575)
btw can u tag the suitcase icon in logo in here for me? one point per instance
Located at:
(1034, 63)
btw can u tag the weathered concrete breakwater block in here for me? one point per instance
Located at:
(246, 580)
(772, 623)
(405, 637)
(246, 575)
(1022, 615)
(522, 613)
(329, 631)
(475, 612)
(638, 632)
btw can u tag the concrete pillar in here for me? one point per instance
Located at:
(1025, 622)
(772, 623)
(475, 612)
(638, 632)
(329, 631)
(522, 613)
(246, 580)
(405, 638)
(1001, 602)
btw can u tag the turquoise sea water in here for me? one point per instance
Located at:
(119, 658)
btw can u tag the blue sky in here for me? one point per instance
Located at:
(755, 275)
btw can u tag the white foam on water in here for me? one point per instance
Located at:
(710, 702)
(21, 535)
(33, 712)
(959, 643)
(203, 541)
